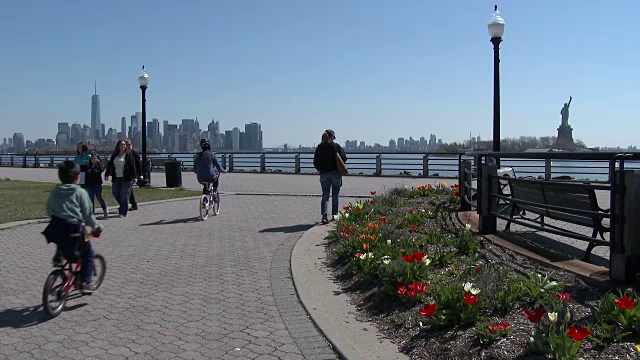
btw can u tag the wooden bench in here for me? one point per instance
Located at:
(157, 163)
(562, 202)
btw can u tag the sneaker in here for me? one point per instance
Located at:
(325, 220)
(106, 213)
(120, 216)
(133, 208)
(87, 288)
(58, 260)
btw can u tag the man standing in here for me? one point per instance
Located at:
(136, 156)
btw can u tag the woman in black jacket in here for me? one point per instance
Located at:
(122, 168)
(324, 160)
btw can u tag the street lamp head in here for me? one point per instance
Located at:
(496, 24)
(143, 79)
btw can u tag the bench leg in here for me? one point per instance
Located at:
(587, 253)
(513, 211)
(542, 220)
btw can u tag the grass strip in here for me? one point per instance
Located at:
(23, 200)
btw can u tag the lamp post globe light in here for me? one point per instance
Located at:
(143, 79)
(496, 30)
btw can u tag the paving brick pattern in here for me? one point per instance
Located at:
(177, 287)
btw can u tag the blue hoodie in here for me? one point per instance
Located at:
(205, 164)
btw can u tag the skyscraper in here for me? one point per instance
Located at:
(123, 128)
(252, 137)
(96, 128)
(18, 143)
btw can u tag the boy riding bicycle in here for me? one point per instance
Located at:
(205, 165)
(70, 208)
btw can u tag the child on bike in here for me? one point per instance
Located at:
(205, 165)
(70, 208)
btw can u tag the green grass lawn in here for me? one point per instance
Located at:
(22, 200)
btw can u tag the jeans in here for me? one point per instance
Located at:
(132, 199)
(96, 191)
(330, 181)
(121, 190)
(87, 258)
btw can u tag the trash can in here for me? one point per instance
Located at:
(173, 171)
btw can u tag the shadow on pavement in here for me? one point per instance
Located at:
(169, 222)
(25, 317)
(288, 229)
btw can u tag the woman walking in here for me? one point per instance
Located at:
(122, 168)
(324, 160)
(83, 158)
(93, 179)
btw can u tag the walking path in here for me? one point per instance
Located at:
(177, 287)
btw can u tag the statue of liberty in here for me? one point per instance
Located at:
(565, 113)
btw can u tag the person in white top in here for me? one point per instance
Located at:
(122, 169)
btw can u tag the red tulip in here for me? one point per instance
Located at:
(401, 289)
(625, 302)
(418, 255)
(411, 294)
(414, 228)
(578, 334)
(345, 208)
(422, 288)
(373, 193)
(535, 316)
(564, 296)
(470, 299)
(411, 211)
(501, 326)
(428, 310)
(408, 258)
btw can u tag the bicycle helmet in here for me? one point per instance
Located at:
(205, 144)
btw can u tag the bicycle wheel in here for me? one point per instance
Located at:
(216, 203)
(99, 269)
(53, 295)
(204, 207)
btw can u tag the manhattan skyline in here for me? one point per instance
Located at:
(370, 70)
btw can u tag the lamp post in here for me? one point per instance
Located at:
(496, 30)
(143, 79)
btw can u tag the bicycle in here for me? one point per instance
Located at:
(62, 280)
(209, 201)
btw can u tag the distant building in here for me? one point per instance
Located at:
(18, 143)
(96, 126)
(253, 137)
(76, 134)
(62, 140)
(123, 128)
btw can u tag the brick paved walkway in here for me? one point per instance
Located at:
(177, 287)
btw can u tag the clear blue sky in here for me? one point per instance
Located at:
(371, 70)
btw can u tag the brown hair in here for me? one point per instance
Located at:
(116, 150)
(325, 137)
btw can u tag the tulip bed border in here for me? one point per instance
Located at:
(439, 291)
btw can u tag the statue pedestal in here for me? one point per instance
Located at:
(565, 137)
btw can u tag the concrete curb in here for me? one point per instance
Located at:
(329, 307)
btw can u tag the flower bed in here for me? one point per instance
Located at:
(440, 292)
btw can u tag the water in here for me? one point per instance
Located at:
(365, 163)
